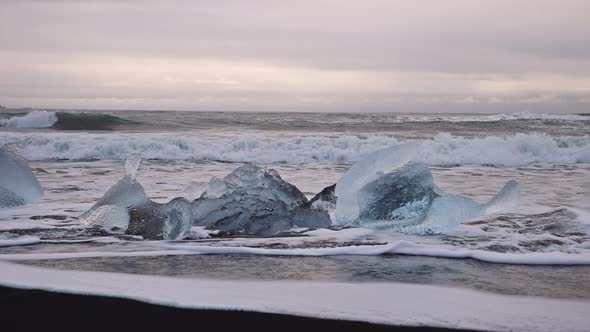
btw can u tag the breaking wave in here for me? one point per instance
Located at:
(63, 121)
(35, 119)
(442, 150)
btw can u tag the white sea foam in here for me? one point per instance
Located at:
(385, 303)
(444, 149)
(19, 241)
(396, 247)
(34, 119)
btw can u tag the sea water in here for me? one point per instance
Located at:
(539, 248)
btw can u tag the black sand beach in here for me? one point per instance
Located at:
(27, 310)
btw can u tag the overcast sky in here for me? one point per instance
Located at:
(451, 55)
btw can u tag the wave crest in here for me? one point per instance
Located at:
(34, 119)
(444, 149)
(64, 121)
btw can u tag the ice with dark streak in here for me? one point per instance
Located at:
(255, 201)
(367, 169)
(111, 211)
(125, 207)
(406, 199)
(251, 200)
(18, 184)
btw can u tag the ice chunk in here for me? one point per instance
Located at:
(366, 170)
(254, 180)
(18, 184)
(405, 194)
(251, 201)
(111, 211)
(170, 221)
(255, 201)
(126, 207)
(407, 200)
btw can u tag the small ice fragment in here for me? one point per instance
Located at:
(131, 166)
(506, 199)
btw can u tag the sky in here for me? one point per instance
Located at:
(316, 55)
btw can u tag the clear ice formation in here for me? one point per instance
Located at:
(255, 201)
(125, 207)
(249, 201)
(324, 200)
(18, 184)
(364, 171)
(406, 200)
(111, 211)
(253, 180)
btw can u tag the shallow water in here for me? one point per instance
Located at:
(547, 281)
(548, 155)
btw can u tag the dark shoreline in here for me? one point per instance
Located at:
(27, 310)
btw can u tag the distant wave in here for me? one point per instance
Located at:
(444, 149)
(63, 121)
(90, 121)
(498, 117)
(34, 119)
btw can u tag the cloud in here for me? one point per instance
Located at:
(292, 54)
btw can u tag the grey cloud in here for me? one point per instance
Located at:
(496, 40)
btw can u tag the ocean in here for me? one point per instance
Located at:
(541, 247)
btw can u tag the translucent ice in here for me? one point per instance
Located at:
(170, 221)
(405, 194)
(111, 211)
(366, 170)
(506, 199)
(324, 200)
(126, 207)
(253, 180)
(407, 200)
(18, 185)
(255, 201)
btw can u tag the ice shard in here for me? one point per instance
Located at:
(18, 184)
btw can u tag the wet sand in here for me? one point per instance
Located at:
(27, 310)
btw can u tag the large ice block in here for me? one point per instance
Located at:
(18, 184)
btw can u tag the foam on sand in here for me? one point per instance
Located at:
(386, 303)
(403, 247)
